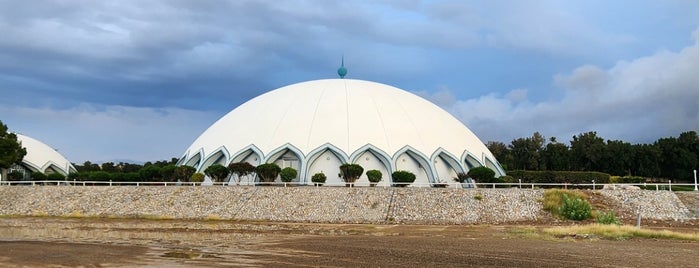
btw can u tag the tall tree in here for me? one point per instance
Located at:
(556, 156)
(676, 161)
(11, 150)
(501, 153)
(586, 151)
(616, 158)
(645, 160)
(526, 152)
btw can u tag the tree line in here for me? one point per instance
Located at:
(670, 158)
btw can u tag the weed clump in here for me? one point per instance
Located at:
(608, 217)
(576, 208)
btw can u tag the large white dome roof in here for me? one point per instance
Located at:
(41, 157)
(344, 115)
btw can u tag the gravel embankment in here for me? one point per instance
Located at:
(310, 204)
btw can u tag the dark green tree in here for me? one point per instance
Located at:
(217, 172)
(586, 151)
(11, 150)
(168, 173)
(184, 173)
(556, 156)
(526, 152)
(87, 166)
(616, 158)
(109, 167)
(150, 173)
(99, 176)
(645, 160)
(676, 161)
(502, 153)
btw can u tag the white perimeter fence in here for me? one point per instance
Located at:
(454, 185)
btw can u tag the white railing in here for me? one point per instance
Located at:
(456, 185)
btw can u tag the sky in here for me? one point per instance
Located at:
(138, 81)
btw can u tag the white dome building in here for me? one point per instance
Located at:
(316, 126)
(41, 158)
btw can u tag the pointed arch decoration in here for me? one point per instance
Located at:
(442, 157)
(195, 160)
(371, 157)
(312, 159)
(287, 149)
(470, 160)
(251, 151)
(495, 167)
(218, 156)
(418, 157)
(182, 159)
(53, 167)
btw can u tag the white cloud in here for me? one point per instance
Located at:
(637, 101)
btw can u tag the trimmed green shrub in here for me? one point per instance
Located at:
(197, 177)
(241, 169)
(374, 176)
(482, 175)
(38, 176)
(268, 172)
(351, 173)
(55, 177)
(607, 218)
(217, 172)
(576, 208)
(402, 178)
(318, 178)
(288, 174)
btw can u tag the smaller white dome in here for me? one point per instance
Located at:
(41, 157)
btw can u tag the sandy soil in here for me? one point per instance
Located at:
(64, 242)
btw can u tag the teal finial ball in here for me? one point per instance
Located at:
(342, 71)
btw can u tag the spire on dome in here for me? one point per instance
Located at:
(342, 71)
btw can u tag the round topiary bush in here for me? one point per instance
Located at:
(351, 173)
(482, 175)
(318, 179)
(402, 178)
(268, 172)
(374, 177)
(288, 174)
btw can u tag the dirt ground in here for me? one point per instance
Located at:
(71, 242)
